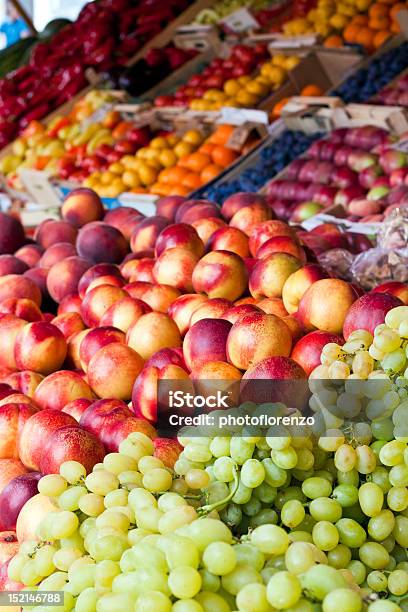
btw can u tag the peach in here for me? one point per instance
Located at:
(273, 305)
(270, 274)
(399, 290)
(22, 308)
(216, 376)
(10, 326)
(18, 398)
(82, 206)
(179, 235)
(174, 267)
(368, 311)
(167, 356)
(295, 327)
(39, 277)
(77, 407)
(197, 209)
(206, 341)
(325, 305)
(144, 236)
(167, 450)
(207, 226)
(124, 313)
(168, 206)
(57, 252)
(266, 230)
(16, 286)
(11, 234)
(246, 300)
(35, 431)
(107, 279)
(9, 469)
(307, 351)
(13, 417)
(60, 388)
(9, 264)
(71, 443)
(30, 254)
(137, 289)
(138, 269)
(125, 219)
(8, 542)
(95, 340)
(220, 274)
(298, 283)
(276, 379)
(102, 413)
(119, 431)
(239, 200)
(68, 323)
(64, 276)
(255, 337)
(70, 303)
(281, 244)
(49, 232)
(113, 370)
(211, 309)
(40, 347)
(94, 272)
(25, 382)
(100, 242)
(98, 301)
(236, 313)
(182, 309)
(249, 217)
(160, 297)
(31, 515)
(152, 332)
(229, 239)
(145, 401)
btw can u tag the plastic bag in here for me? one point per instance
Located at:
(379, 265)
(393, 232)
(338, 263)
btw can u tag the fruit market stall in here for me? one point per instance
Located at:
(204, 399)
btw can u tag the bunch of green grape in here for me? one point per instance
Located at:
(133, 536)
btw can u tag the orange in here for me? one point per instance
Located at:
(221, 134)
(334, 41)
(165, 175)
(138, 190)
(160, 189)
(400, 6)
(359, 20)
(183, 161)
(380, 38)
(379, 23)
(192, 181)
(395, 27)
(377, 10)
(176, 175)
(223, 156)
(206, 148)
(350, 33)
(210, 172)
(277, 109)
(365, 37)
(197, 162)
(312, 90)
(179, 190)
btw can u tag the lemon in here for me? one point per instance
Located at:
(147, 174)
(338, 21)
(117, 168)
(127, 160)
(158, 143)
(183, 148)
(107, 177)
(172, 140)
(131, 179)
(243, 80)
(231, 87)
(291, 62)
(279, 59)
(142, 152)
(194, 137)
(246, 98)
(168, 158)
(256, 88)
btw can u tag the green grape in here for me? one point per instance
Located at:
(398, 582)
(43, 560)
(292, 513)
(392, 453)
(154, 601)
(55, 582)
(366, 459)
(342, 599)
(265, 493)
(253, 597)
(316, 487)
(64, 524)
(252, 473)
(147, 463)
(91, 504)
(283, 590)
(157, 479)
(325, 508)
(87, 600)
(105, 572)
(115, 602)
(396, 316)
(325, 535)
(397, 499)
(219, 558)
(398, 475)
(197, 479)
(382, 605)
(345, 458)
(187, 605)
(380, 478)
(73, 472)
(224, 468)
(184, 582)
(210, 582)
(130, 480)
(101, 482)
(374, 555)
(242, 494)
(377, 581)
(220, 446)
(119, 497)
(320, 580)
(400, 531)
(52, 485)
(288, 494)
(380, 526)
(300, 536)
(241, 449)
(382, 430)
(212, 602)
(81, 578)
(387, 340)
(394, 361)
(274, 475)
(65, 557)
(231, 515)
(352, 477)
(371, 498)
(69, 499)
(240, 576)
(15, 567)
(270, 539)
(339, 557)
(285, 459)
(299, 557)
(305, 459)
(204, 531)
(117, 463)
(351, 533)
(217, 492)
(247, 554)
(358, 571)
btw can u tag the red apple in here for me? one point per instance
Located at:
(369, 311)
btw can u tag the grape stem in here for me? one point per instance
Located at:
(204, 510)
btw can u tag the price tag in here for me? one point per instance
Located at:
(40, 188)
(239, 116)
(357, 228)
(240, 21)
(143, 202)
